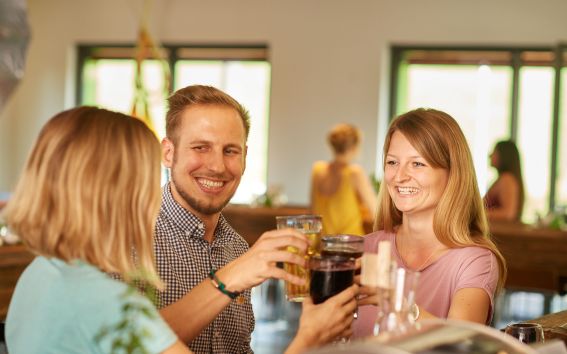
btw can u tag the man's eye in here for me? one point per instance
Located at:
(232, 151)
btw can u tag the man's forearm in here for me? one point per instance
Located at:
(196, 310)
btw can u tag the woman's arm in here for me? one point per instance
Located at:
(313, 185)
(470, 304)
(177, 348)
(364, 190)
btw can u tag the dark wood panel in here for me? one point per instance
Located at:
(13, 261)
(536, 257)
(554, 325)
(252, 222)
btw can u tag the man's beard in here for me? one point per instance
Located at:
(200, 207)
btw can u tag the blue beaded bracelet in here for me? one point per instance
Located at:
(221, 286)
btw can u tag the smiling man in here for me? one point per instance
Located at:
(207, 267)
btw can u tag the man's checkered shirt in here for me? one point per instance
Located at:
(184, 259)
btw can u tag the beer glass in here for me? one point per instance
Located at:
(310, 226)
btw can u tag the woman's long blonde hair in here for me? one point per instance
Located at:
(460, 218)
(90, 191)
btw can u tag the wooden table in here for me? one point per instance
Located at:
(536, 257)
(554, 325)
(13, 261)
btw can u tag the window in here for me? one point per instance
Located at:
(494, 94)
(106, 79)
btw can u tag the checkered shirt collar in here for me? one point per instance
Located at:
(190, 223)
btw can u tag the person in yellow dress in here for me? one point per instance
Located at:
(341, 191)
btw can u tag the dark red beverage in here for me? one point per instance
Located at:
(329, 282)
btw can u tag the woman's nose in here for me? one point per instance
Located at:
(401, 174)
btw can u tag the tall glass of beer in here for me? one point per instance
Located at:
(311, 226)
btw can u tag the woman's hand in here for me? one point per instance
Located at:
(322, 323)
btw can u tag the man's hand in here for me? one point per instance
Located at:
(260, 262)
(320, 324)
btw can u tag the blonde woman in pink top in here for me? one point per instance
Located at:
(431, 210)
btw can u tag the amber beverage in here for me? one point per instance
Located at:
(310, 225)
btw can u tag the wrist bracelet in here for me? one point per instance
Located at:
(221, 286)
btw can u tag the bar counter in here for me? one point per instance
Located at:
(536, 257)
(554, 325)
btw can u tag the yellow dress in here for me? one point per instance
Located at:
(341, 211)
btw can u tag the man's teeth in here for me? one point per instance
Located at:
(211, 184)
(407, 190)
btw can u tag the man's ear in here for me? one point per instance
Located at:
(167, 152)
(244, 162)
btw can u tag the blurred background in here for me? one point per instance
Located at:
(302, 66)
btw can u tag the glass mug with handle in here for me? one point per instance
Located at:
(342, 245)
(310, 226)
(526, 332)
(330, 275)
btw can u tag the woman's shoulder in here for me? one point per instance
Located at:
(371, 240)
(319, 167)
(356, 169)
(470, 253)
(320, 164)
(506, 178)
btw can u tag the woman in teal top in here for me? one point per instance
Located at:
(87, 198)
(86, 202)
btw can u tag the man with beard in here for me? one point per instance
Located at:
(206, 266)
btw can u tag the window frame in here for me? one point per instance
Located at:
(556, 59)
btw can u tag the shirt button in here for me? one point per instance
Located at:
(201, 226)
(217, 334)
(187, 233)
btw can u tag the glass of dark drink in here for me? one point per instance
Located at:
(342, 245)
(329, 276)
(526, 332)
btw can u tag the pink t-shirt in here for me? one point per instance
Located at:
(468, 267)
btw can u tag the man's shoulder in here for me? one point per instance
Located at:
(230, 233)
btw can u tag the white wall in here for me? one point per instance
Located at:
(329, 59)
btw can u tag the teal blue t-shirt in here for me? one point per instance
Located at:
(60, 308)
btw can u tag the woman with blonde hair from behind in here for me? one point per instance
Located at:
(340, 190)
(431, 211)
(86, 200)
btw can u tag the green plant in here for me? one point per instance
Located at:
(126, 334)
(375, 182)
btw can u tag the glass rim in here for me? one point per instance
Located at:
(301, 216)
(524, 325)
(346, 238)
(320, 257)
